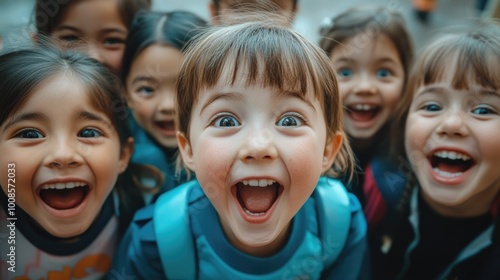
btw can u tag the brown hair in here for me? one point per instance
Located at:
(267, 53)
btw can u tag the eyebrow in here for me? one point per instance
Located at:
(84, 115)
(299, 96)
(239, 96)
(224, 96)
(152, 79)
(142, 79)
(104, 31)
(431, 89)
(24, 117)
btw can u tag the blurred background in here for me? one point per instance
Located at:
(16, 16)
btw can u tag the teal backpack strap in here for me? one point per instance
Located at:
(334, 216)
(173, 233)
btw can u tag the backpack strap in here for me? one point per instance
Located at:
(334, 216)
(173, 233)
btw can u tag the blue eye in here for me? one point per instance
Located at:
(290, 120)
(482, 111)
(145, 90)
(345, 73)
(226, 121)
(89, 133)
(29, 134)
(383, 73)
(432, 107)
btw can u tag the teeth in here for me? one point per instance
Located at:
(452, 155)
(258, 183)
(446, 174)
(60, 186)
(253, 214)
(362, 107)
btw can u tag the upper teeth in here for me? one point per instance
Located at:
(451, 155)
(60, 186)
(258, 183)
(364, 107)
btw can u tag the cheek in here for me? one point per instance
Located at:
(143, 110)
(114, 60)
(392, 94)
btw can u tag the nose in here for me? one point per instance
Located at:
(63, 153)
(166, 104)
(259, 145)
(453, 124)
(365, 85)
(93, 51)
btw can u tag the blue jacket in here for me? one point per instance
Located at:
(216, 258)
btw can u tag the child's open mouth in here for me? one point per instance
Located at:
(167, 127)
(64, 196)
(450, 164)
(362, 112)
(257, 197)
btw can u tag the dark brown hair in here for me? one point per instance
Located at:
(48, 12)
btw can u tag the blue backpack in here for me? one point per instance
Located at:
(175, 242)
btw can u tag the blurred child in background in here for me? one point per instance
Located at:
(221, 10)
(151, 64)
(371, 52)
(97, 27)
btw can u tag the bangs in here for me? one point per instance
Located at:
(267, 56)
(472, 60)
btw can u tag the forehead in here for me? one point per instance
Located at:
(283, 4)
(359, 46)
(92, 13)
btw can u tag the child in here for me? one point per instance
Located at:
(371, 52)
(97, 27)
(448, 228)
(259, 122)
(151, 64)
(222, 10)
(64, 147)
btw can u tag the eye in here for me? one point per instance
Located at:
(482, 111)
(89, 133)
(113, 41)
(145, 90)
(291, 120)
(226, 121)
(384, 73)
(345, 72)
(431, 107)
(29, 134)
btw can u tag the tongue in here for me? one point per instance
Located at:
(451, 168)
(63, 199)
(362, 116)
(258, 199)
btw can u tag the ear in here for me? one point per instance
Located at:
(126, 153)
(186, 150)
(332, 148)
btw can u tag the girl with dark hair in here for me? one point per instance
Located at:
(96, 27)
(68, 190)
(151, 65)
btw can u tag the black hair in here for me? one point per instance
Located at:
(174, 29)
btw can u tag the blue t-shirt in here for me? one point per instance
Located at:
(218, 259)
